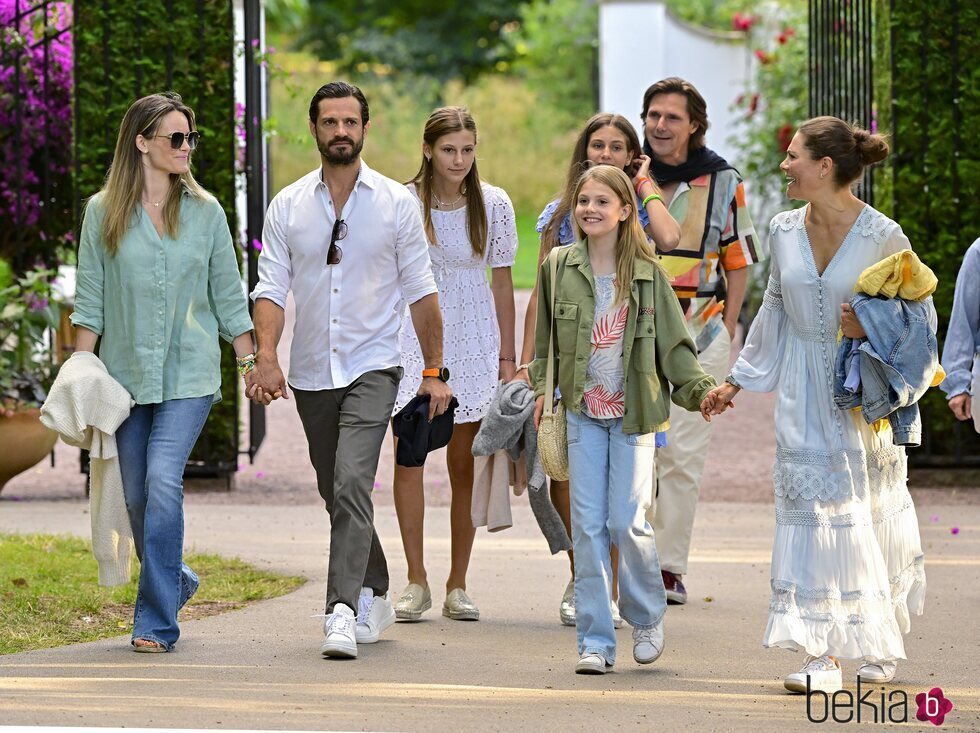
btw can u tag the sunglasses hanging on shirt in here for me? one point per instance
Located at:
(334, 253)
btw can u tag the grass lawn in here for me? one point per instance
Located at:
(526, 266)
(49, 592)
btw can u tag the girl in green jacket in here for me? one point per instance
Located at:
(621, 347)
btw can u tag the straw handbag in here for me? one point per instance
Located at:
(552, 435)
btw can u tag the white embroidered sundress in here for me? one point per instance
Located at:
(471, 337)
(847, 561)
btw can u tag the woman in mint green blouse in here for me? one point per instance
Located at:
(159, 281)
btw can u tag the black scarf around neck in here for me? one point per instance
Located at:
(699, 162)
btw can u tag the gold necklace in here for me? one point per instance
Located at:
(443, 204)
(153, 203)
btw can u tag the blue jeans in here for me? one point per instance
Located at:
(611, 483)
(154, 443)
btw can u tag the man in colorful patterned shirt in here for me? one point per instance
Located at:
(710, 272)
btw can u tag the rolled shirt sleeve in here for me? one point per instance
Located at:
(227, 294)
(90, 278)
(412, 252)
(275, 265)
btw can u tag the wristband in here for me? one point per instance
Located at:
(641, 182)
(245, 364)
(511, 359)
(653, 197)
(523, 367)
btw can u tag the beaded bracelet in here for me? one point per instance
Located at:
(653, 197)
(245, 364)
(508, 358)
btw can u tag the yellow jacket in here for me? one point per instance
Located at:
(902, 274)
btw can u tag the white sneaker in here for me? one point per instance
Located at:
(374, 615)
(648, 644)
(617, 619)
(824, 674)
(592, 664)
(339, 630)
(877, 671)
(566, 611)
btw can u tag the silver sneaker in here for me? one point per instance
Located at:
(566, 611)
(413, 602)
(459, 607)
(340, 638)
(374, 615)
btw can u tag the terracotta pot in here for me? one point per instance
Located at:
(25, 442)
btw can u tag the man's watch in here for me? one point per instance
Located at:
(439, 373)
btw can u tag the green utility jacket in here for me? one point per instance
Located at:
(657, 348)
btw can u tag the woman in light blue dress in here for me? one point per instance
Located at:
(847, 561)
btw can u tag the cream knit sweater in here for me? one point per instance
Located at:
(86, 406)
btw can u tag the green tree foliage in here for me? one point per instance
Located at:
(439, 40)
(934, 167)
(124, 51)
(556, 49)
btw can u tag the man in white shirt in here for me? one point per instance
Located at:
(350, 244)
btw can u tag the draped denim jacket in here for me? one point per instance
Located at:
(897, 361)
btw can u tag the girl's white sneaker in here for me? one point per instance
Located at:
(877, 671)
(592, 664)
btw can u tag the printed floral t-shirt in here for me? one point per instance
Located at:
(605, 375)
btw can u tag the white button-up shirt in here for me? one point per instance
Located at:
(347, 315)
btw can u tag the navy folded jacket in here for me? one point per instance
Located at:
(416, 435)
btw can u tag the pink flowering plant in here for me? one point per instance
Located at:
(28, 312)
(35, 129)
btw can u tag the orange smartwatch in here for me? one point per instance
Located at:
(439, 373)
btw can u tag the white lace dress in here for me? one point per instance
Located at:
(847, 562)
(471, 337)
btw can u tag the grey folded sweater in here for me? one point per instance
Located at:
(509, 425)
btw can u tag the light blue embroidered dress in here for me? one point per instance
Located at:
(847, 562)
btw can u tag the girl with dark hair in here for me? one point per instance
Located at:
(606, 139)
(470, 226)
(159, 281)
(847, 562)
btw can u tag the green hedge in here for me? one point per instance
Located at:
(126, 50)
(934, 175)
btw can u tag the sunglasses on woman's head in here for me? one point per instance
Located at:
(335, 254)
(177, 139)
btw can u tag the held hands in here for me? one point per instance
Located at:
(718, 400)
(961, 407)
(439, 395)
(850, 326)
(265, 382)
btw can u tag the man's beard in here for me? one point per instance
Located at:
(335, 157)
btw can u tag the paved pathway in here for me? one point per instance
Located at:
(260, 667)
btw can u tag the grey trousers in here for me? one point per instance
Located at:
(345, 429)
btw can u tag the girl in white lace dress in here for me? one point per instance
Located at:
(847, 562)
(470, 226)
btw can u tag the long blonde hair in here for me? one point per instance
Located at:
(578, 164)
(122, 192)
(632, 243)
(444, 121)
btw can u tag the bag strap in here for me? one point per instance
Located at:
(549, 382)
